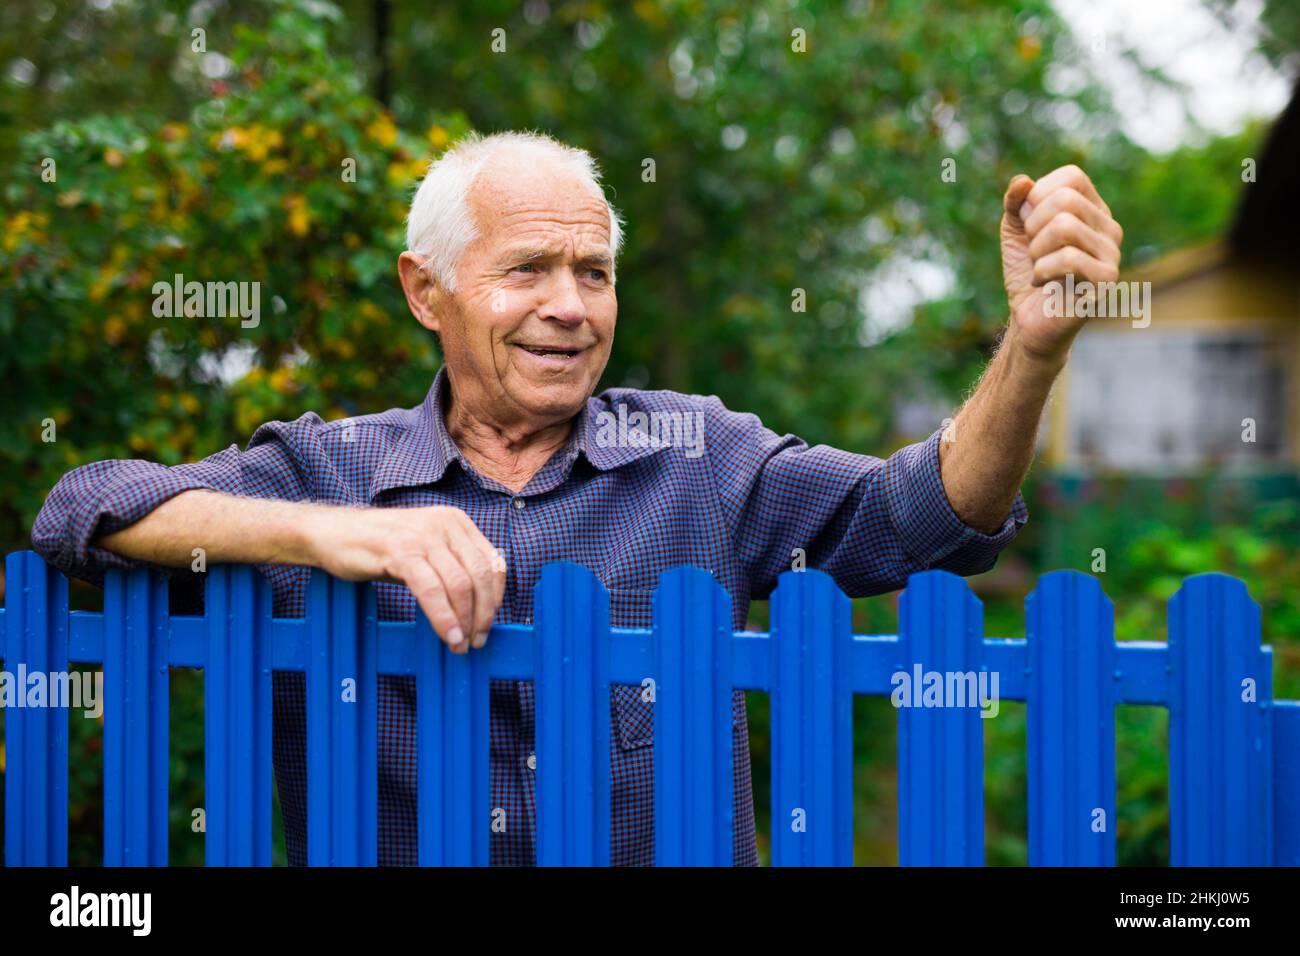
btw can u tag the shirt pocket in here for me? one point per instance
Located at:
(631, 713)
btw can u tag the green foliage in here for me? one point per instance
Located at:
(251, 188)
(1157, 532)
(1183, 197)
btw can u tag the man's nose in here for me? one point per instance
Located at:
(562, 300)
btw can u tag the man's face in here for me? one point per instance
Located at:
(529, 330)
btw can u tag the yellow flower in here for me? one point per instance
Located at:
(438, 137)
(107, 273)
(399, 173)
(247, 417)
(417, 168)
(382, 131)
(1029, 46)
(282, 381)
(255, 145)
(257, 142)
(299, 214)
(189, 403)
(18, 223)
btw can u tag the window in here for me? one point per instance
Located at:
(1174, 400)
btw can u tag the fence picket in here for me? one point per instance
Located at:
(136, 706)
(237, 717)
(572, 689)
(812, 723)
(342, 724)
(451, 693)
(1286, 789)
(1070, 735)
(694, 799)
(36, 738)
(1220, 746)
(940, 749)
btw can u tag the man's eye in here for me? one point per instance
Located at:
(526, 265)
(598, 274)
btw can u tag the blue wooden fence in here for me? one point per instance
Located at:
(1234, 761)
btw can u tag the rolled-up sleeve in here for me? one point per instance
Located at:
(106, 496)
(866, 521)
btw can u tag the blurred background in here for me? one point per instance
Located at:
(857, 151)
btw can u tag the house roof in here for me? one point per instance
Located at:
(1181, 263)
(1264, 229)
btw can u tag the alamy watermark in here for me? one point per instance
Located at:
(78, 690)
(127, 910)
(656, 429)
(921, 688)
(209, 300)
(1101, 300)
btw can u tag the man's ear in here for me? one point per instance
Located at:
(424, 293)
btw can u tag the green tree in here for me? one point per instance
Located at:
(288, 176)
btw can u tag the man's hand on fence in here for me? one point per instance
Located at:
(455, 573)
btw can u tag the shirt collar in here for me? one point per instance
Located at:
(425, 449)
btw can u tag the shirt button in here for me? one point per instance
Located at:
(519, 504)
(532, 761)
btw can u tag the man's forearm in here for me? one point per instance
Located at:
(455, 573)
(228, 528)
(985, 453)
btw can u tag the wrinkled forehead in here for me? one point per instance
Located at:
(513, 198)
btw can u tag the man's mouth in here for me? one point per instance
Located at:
(554, 356)
(543, 350)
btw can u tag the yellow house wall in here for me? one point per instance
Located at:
(1219, 296)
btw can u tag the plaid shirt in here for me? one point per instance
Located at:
(738, 505)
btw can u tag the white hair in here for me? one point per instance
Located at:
(440, 224)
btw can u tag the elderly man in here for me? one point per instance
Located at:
(456, 504)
